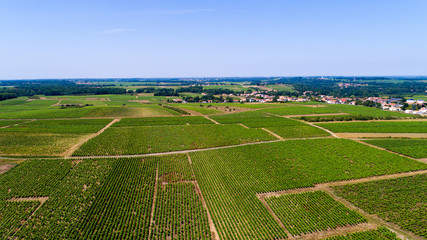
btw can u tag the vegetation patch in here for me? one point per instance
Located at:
(415, 148)
(402, 201)
(309, 212)
(378, 127)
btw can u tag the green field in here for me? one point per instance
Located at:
(284, 127)
(127, 122)
(230, 178)
(152, 139)
(309, 212)
(378, 127)
(9, 123)
(199, 109)
(415, 148)
(402, 201)
(300, 110)
(47, 137)
(102, 198)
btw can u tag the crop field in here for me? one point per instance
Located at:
(402, 201)
(230, 178)
(151, 139)
(127, 122)
(415, 148)
(300, 110)
(284, 127)
(47, 137)
(202, 110)
(102, 198)
(365, 111)
(381, 233)
(377, 126)
(308, 212)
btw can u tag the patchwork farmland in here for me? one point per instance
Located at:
(237, 171)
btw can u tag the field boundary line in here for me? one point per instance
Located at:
(214, 232)
(336, 231)
(241, 124)
(42, 200)
(321, 186)
(373, 218)
(192, 150)
(71, 150)
(153, 205)
(423, 160)
(380, 135)
(262, 199)
(208, 118)
(273, 133)
(16, 124)
(308, 123)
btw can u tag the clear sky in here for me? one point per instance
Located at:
(207, 38)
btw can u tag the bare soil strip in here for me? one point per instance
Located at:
(316, 115)
(27, 199)
(153, 205)
(212, 228)
(373, 220)
(423, 160)
(70, 151)
(272, 133)
(4, 168)
(208, 118)
(190, 150)
(241, 124)
(337, 231)
(314, 125)
(42, 200)
(381, 135)
(262, 199)
(16, 124)
(322, 186)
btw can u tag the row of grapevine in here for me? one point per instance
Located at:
(311, 212)
(402, 201)
(122, 207)
(33, 178)
(65, 209)
(179, 213)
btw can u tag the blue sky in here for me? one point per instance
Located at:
(183, 38)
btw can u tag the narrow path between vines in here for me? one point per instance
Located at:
(70, 151)
(373, 220)
(212, 228)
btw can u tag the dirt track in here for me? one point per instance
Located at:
(381, 135)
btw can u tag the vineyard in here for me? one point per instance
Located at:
(47, 137)
(231, 178)
(378, 127)
(267, 176)
(127, 122)
(415, 148)
(309, 212)
(152, 139)
(402, 201)
(284, 127)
